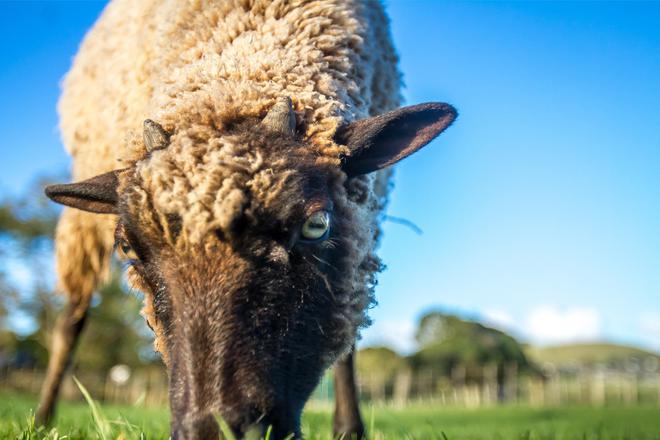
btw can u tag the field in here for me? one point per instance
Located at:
(588, 354)
(76, 422)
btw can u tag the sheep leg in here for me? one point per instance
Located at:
(347, 423)
(67, 331)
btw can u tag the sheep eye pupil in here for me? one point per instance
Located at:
(316, 226)
(125, 251)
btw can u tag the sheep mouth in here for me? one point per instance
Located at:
(240, 425)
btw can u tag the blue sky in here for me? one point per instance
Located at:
(540, 207)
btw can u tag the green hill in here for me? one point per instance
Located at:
(589, 354)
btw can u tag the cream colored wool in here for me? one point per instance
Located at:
(193, 66)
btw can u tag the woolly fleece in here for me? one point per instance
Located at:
(195, 67)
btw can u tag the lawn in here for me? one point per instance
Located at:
(76, 421)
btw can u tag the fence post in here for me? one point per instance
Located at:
(511, 382)
(597, 392)
(489, 377)
(402, 388)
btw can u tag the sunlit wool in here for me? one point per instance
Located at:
(196, 67)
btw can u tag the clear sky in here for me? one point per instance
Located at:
(540, 207)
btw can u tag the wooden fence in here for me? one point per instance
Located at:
(146, 387)
(553, 388)
(597, 388)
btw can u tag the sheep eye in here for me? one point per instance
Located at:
(125, 251)
(317, 226)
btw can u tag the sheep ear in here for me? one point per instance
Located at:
(98, 194)
(383, 140)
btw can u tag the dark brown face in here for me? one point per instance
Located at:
(249, 317)
(255, 258)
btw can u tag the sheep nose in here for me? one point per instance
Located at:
(198, 428)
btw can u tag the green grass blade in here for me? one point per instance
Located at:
(225, 430)
(102, 426)
(372, 422)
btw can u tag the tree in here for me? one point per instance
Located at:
(115, 332)
(381, 361)
(448, 343)
(27, 225)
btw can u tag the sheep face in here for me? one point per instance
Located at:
(242, 261)
(254, 255)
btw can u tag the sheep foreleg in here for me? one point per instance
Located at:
(347, 423)
(67, 331)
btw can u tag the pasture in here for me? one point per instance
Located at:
(227, 147)
(76, 422)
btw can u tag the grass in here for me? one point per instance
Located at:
(78, 421)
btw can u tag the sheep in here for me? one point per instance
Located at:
(236, 154)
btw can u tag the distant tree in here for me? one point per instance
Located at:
(380, 361)
(377, 367)
(29, 220)
(27, 225)
(7, 296)
(449, 344)
(115, 332)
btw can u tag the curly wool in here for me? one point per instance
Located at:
(195, 67)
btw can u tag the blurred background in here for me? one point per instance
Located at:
(523, 247)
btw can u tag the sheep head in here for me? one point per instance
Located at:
(254, 255)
